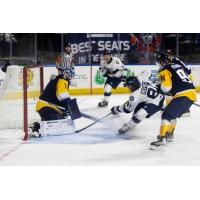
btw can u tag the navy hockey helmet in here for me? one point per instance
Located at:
(132, 83)
(106, 52)
(67, 44)
(168, 51)
(161, 57)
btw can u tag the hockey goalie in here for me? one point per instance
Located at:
(55, 107)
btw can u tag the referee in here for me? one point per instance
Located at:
(65, 59)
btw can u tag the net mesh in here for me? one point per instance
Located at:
(12, 101)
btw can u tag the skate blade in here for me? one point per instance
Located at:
(120, 133)
(186, 115)
(170, 140)
(157, 148)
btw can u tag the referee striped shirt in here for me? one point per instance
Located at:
(66, 60)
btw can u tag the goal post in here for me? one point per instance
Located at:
(26, 92)
(19, 92)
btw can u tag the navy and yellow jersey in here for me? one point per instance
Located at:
(186, 68)
(175, 80)
(55, 92)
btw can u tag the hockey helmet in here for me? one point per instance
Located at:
(106, 52)
(132, 83)
(67, 44)
(67, 73)
(161, 57)
(168, 51)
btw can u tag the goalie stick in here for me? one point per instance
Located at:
(97, 120)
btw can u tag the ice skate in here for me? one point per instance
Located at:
(123, 129)
(34, 130)
(169, 137)
(103, 104)
(159, 144)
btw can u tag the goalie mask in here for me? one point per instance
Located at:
(67, 73)
(132, 83)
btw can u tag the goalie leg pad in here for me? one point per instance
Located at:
(57, 127)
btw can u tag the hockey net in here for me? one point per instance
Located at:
(19, 92)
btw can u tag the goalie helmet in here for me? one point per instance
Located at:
(132, 83)
(67, 73)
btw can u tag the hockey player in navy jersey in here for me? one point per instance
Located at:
(172, 59)
(176, 82)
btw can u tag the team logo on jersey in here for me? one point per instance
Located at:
(162, 78)
(30, 76)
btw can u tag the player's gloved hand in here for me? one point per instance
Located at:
(65, 113)
(115, 110)
(161, 91)
(123, 79)
(108, 75)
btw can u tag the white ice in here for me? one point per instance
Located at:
(100, 144)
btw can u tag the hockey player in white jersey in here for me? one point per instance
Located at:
(114, 70)
(144, 102)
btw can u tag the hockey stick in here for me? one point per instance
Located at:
(196, 104)
(98, 120)
(89, 116)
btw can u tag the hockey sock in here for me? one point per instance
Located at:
(107, 92)
(172, 126)
(164, 128)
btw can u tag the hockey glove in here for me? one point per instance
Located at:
(123, 79)
(160, 91)
(115, 110)
(65, 113)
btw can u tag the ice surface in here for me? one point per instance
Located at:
(100, 144)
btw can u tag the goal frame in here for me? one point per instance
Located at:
(25, 94)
